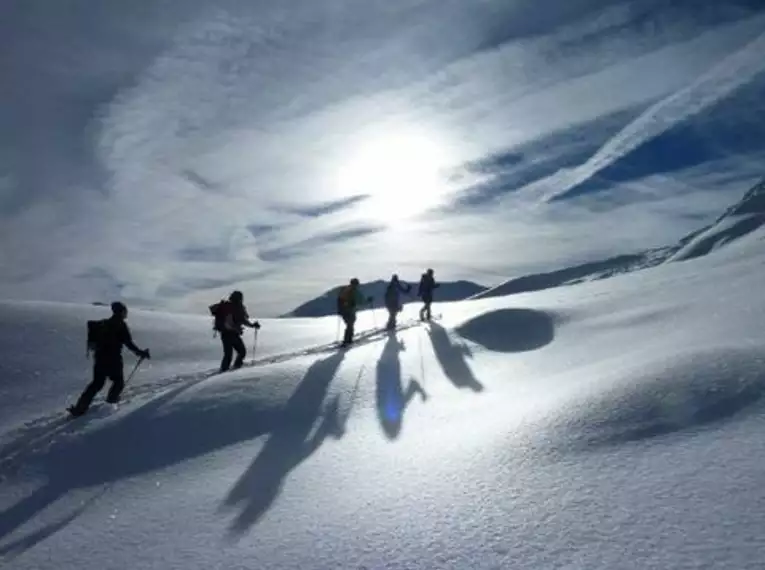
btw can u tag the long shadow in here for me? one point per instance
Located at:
(152, 437)
(24, 543)
(452, 359)
(25, 442)
(510, 330)
(391, 397)
(289, 444)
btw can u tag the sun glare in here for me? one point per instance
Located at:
(400, 170)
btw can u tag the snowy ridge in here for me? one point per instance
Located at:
(740, 220)
(578, 273)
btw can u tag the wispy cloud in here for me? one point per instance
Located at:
(725, 77)
(314, 210)
(307, 246)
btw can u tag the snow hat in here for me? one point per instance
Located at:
(354, 281)
(236, 296)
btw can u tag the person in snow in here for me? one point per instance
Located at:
(393, 299)
(231, 317)
(348, 300)
(107, 342)
(425, 292)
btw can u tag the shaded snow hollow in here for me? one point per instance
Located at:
(607, 425)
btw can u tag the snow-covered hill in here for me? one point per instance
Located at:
(578, 273)
(745, 218)
(739, 221)
(326, 303)
(610, 424)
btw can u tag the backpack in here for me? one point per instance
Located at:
(391, 294)
(346, 300)
(220, 311)
(427, 284)
(96, 333)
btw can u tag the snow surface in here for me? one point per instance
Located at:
(611, 424)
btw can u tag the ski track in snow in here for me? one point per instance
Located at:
(37, 435)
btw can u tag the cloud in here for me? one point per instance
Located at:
(211, 254)
(720, 81)
(164, 153)
(258, 230)
(314, 210)
(489, 178)
(306, 246)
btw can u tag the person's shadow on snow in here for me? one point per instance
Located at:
(76, 457)
(452, 358)
(391, 398)
(291, 442)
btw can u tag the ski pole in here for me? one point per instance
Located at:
(254, 344)
(137, 364)
(374, 317)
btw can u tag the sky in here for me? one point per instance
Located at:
(166, 152)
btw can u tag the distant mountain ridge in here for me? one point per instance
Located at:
(326, 304)
(741, 219)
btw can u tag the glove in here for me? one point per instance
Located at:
(145, 354)
(256, 325)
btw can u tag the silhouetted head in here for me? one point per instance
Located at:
(236, 297)
(119, 310)
(430, 271)
(394, 278)
(354, 282)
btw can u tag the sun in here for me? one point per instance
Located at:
(401, 170)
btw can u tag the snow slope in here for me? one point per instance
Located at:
(745, 218)
(611, 424)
